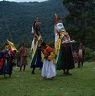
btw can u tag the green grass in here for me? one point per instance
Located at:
(81, 83)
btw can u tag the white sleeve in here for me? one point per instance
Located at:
(32, 45)
(32, 30)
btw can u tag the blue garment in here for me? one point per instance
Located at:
(7, 66)
(37, 60)
(1, 55)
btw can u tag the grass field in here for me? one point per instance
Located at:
(80, 83)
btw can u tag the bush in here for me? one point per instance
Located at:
(89, 54)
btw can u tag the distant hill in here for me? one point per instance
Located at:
(16, 19)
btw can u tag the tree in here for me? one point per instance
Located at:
(81, 19)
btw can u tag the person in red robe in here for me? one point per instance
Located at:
(23, 57)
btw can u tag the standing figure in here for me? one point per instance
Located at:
(67, 57)
(37, 60)
(81, 54)
(58, 28)
(75, 56)
(63, 49)
(36, 27)
(48, 69)
(36, 46)
(23, 57)
(10, 52)
(6, 61)
(10, 56)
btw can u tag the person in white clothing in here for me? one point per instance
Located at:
(48, 69)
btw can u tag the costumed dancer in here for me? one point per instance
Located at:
(10, 57)
(7, 59)
(36, 46)
(48, 69)
(81, 54)
(63, 49)
(23, 57)
(57, 22)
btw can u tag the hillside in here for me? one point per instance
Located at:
(16, 19)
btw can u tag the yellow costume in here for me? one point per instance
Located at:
(61, 34)
(11, 45)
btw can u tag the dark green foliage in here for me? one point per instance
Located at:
(89, 54)
(16, 19)
(81, 20)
